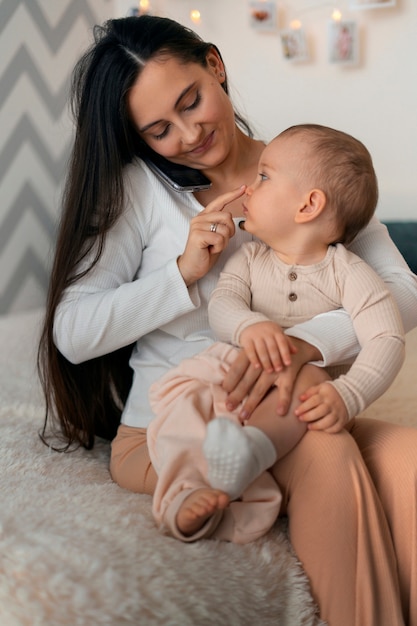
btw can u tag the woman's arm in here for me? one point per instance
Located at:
(113, 304)
(332, 333)
(376, 248)
(143, 281)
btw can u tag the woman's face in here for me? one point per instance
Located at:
(182, 112)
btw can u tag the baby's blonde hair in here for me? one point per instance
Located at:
(341, 166)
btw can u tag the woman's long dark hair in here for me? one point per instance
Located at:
(86, 399)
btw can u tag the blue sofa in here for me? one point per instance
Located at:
(404, 235)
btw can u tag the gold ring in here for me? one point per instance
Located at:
(213, 227)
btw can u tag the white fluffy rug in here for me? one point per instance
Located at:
(77, 550)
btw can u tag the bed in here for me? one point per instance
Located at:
(78, 550)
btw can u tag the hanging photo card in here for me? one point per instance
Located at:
(371, 4)
(263, 16)
(294, 46)
(343, 42)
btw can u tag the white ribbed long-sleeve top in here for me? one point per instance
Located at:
(136, 293)
(256, 286)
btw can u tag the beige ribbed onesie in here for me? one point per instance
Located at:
(256, 285)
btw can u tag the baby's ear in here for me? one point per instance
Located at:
(314, 203)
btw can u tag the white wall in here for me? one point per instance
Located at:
(376, 101)
(41, 39)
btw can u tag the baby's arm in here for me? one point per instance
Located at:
(235, 320)
(378, 325)
(231, 317)
(333, 333)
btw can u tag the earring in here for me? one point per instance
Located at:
(222, 74)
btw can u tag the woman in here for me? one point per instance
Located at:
(135, 264)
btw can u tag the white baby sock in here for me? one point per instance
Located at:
(236, 455)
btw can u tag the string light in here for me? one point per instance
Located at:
(144, 6)
(195, 16)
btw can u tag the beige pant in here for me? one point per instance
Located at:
(351, 500)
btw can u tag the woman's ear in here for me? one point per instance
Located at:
(215, 63)
(312, 207)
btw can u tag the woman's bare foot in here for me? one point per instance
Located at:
(198, 507)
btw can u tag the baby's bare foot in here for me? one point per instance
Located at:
(198, 507)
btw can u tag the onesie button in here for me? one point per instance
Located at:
(293, 297)
(292, 276)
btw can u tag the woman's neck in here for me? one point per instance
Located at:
(239, 168)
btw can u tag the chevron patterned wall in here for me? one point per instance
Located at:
(40, 41)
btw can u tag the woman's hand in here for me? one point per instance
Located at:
(285, 379)
(243, 379)
(210, 232)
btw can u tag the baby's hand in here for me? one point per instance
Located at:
(266, 346)
(323, 409)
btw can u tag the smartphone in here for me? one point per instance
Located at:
(178, 177)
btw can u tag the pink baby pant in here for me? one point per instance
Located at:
(184, 401)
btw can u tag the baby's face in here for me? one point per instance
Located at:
(277, 193)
